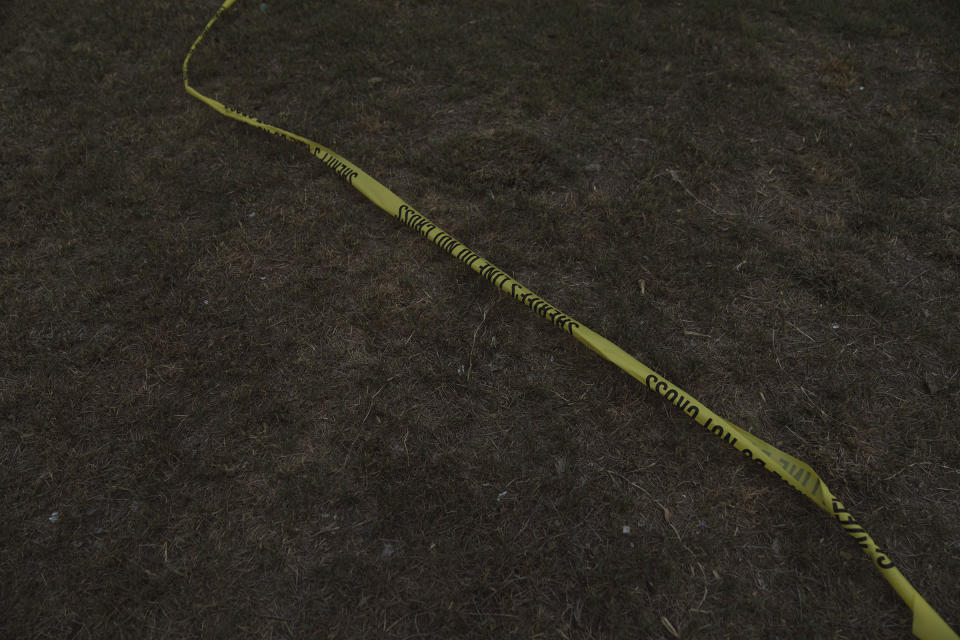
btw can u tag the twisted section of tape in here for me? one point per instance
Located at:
(927, 623)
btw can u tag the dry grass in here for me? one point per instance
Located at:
(261, 408)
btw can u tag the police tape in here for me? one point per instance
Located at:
(927, 623)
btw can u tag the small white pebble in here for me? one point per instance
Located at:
(626, 529)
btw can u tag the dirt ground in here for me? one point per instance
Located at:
(237, 400)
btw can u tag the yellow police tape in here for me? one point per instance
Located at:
(927, 623)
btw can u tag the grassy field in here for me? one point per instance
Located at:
(238, 400)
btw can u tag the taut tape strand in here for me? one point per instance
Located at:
(927, 623)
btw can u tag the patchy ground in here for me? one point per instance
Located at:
(236, 399)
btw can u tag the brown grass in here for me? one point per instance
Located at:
(261, 408)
